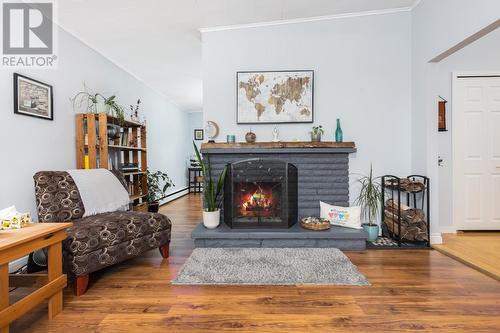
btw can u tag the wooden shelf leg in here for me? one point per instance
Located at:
(55, 271)
(4, 292)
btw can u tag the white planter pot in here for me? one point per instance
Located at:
(211, 220)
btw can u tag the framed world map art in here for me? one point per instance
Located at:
(270, 97)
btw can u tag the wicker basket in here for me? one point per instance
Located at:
(322, 225)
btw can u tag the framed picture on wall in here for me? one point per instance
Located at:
(33, 98)
(272, 97)
(198, 134)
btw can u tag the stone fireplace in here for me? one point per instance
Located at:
(260, 193)
(270, 186)
(322, 172)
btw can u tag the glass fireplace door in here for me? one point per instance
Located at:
(259, 202)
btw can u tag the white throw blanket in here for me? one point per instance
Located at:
(100, 190)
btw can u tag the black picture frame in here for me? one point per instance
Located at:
(198, 134)
(22, 108)
(274, 122)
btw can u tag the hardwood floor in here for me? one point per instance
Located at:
(480, 250)
(410, 291)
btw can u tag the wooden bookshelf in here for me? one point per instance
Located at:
(95, 150)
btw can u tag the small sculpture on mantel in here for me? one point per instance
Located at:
(276, 133)
(250, 137)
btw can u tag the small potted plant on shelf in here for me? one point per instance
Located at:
(316, 133)
(158, 184)
(87, 101)
(92, 102)
(369, 198)
(115, 108)
(134, 111)
(211, 192)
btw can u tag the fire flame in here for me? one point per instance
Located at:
(257, 200)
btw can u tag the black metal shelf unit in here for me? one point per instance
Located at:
(415, 198)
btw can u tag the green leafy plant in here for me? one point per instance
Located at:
(87, 100)
(370, 196)
(116, 109)
(158, 184)
(317, 130)
(211, 191)
(134, 110)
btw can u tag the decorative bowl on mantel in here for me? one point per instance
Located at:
(315, 223)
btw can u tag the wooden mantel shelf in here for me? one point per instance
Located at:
(279, 147)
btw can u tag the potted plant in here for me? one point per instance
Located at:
(158, 184)
(91, 102)
(115, 108)
(316, 133)
(211, 192)
(87, 101)
(369, 198)
(134, 111)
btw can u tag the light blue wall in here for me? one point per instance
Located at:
(438, 25)
(361, 72)
(482, 55)
(28, 145)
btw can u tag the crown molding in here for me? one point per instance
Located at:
(309, 19)
(415, 4)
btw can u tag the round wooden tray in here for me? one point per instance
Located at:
(315, 226)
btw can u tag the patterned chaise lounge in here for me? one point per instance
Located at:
(97, 241)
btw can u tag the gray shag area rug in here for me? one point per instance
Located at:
(269, 266)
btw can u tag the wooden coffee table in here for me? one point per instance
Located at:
(18, 243)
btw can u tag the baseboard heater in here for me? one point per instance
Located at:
(174, 193)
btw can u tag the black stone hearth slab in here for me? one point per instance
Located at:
(296, 236)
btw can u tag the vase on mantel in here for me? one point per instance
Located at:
(316, 137)
(339, 137)
(250, 137)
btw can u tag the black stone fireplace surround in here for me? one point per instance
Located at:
(322, 174)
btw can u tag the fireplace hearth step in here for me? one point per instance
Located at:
(296, 236)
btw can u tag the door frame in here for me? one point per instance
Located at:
(454, 135)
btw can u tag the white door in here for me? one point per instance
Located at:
(476, 152)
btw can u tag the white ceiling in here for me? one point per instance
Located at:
(159, 41)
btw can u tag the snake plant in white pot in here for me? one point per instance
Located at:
(370, 198)
(211, 192)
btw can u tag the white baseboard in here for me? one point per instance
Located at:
(173, 197)
(448, 230)
(436, 238)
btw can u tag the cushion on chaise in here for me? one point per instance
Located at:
(84, 262)
(99, 231)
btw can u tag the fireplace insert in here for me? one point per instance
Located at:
(260, 193)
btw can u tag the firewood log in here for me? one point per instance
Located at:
(393, 206)
(405, 185)
(410, 214)
(410, 231)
